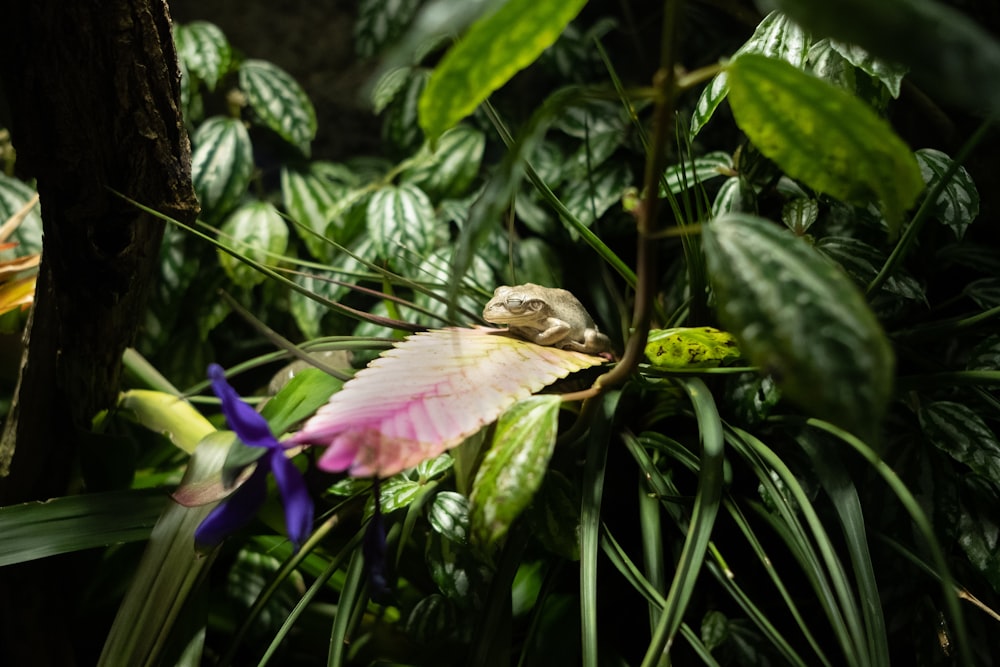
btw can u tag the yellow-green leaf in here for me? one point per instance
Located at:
(823, 136)
(691, 347)
(494, 50)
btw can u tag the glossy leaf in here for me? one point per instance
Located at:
(427, 394)
(890, 74)
(204, 49)
(863, 262)
(946, 50)
(679, 177)
(380, 23)
(494, 49)
(14, 195)
(256, 231)
(985, 292)
(800, 318)
(514, 466)
(305, 393)
(450, 168)
(402, 217)
(799, 214)
(823, 136)
(221, 165)
(279, 102)
(958, 204)
(596, 192)
(986, 355)
(168, 415)
(690, 347)
(308, 196)
(448, 515)
(775, 36)
(737, 195)
(61, 525)
(958, 431)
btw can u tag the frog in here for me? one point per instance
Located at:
(547, 316)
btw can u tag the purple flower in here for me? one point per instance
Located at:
(239, 508)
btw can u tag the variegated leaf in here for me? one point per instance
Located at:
(428, 394)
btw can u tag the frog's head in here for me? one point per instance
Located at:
(518, 305)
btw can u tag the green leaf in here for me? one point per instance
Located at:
(863, 262)
(221, 165)
(401, 126)
(168, 415)
(590, 196)
(61, 525)
(799, 214)
(823, 136)
(958, 431)
(308, 196)
(690, 347)
(450, 169)
(448, 515)
(775, 36)
(985, 292)
(958, 204)
(888, 73)
(947, 51)
(494, 49)
(279, 102)
(380, 23)
(309, 389)
(397, 492)
(309, 313)
(799, 317)
(14, 194)
(679, 177)
(204, 50)
(515, 465)
(401, 220)
(256, 231)
(736, 195)
(555, 516)
(985, 356)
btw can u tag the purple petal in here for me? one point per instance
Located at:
(294, 496)
(235, 511)
(251, 428)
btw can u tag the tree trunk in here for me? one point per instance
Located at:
(93, 93)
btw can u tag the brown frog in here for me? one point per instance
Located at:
(546, 316)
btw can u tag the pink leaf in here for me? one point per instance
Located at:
(429, 393)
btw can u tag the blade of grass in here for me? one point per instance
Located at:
(708, 497)
(590, 518)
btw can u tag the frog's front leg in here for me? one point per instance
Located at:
(555, 332)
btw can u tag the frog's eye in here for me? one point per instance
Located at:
(514, 302)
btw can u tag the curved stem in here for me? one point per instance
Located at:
(664, 82)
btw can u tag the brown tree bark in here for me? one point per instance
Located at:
(93, 93)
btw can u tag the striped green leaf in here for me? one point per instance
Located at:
(256, 231)
(14, 194)
(449, 516)
(449, 170)
(401, 220)
(309, 195)
(494, 49)
(221, 166)
(204, 51)
(679, 177)
(737, 195)
(380, 23)
(799, 214)
(800, 318)
(776, 36)
(515, 465)
(279, 102)
(890, 74)
(958, 431)
(401, 126)
(958, 204)
(822, 136)
(944, 48)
